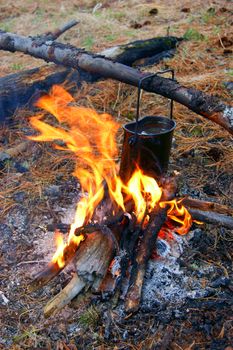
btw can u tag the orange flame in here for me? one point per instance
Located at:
(178, 213)
(144, 191)
(92, 139)
(58, 256)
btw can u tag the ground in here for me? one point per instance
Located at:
(37, 186)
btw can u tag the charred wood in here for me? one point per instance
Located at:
(61, 227)
(208, 106)
(53, 268)
(211, 217)
(207, 206)
(145, 247)
(133, 297)
(43, 277)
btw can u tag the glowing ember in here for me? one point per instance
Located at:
(92, 139)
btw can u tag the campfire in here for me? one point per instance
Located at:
(117, 222)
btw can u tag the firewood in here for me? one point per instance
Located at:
(19, 89)
(133, 297)
(211, 217)
(209, 107)
(43, 277)
(89, 228)
(146, 245)
(95, 255)
(91, 263)
(60, 226)
(53, 269)
(206, 206)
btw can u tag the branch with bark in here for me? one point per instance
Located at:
(19, 89)
(207, 106)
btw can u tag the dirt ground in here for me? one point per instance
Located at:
(37, 186)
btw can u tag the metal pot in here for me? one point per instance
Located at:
(147, 143)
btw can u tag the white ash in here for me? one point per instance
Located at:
(166, 281)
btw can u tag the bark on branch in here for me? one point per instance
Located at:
(207, 106)
(19, 89)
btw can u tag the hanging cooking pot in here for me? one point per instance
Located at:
(147, 142)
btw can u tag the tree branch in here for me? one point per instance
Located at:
(207, 106)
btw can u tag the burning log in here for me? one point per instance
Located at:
(55, 267)
(21, 88)
(208, 106)
(91, 263)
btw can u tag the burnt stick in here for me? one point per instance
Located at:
(64, 228)
(212, 218)
(202, 205)
(146, 246)
(53, 269)
(158, 217)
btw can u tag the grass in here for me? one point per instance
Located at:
(88, 42)
(89, 318)
(30, 333)
(193, 34)
(110, 37)
(17, 66)
(7, 27)
(208, 15)
(230, 72)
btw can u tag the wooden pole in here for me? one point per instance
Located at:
(208, 106)
(19, 89)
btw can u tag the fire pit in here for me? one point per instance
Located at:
(116, 223)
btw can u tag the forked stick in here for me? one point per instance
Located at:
(59, 31)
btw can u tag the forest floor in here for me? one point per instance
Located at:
(37, 186)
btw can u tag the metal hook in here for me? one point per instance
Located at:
(133, 141)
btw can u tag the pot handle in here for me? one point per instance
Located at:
(139, 94)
